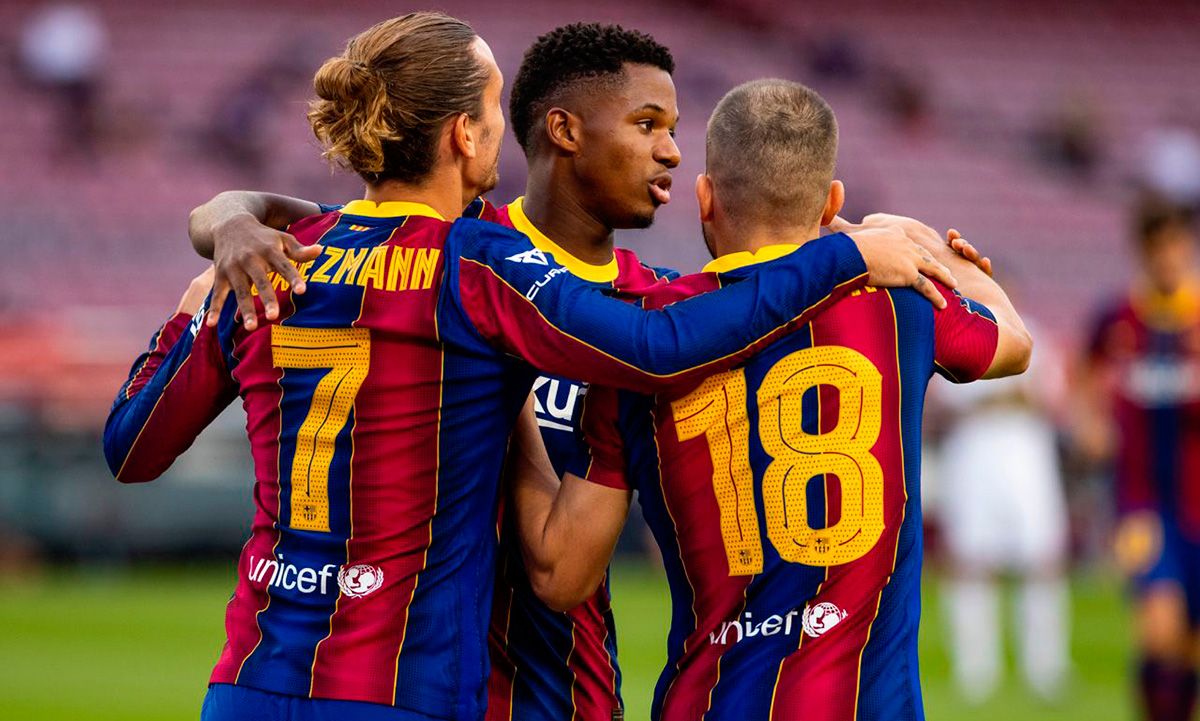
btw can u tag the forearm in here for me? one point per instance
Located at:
(174, 391)
(567, 326)
(578, 539)
(567, 529)
(243, 206)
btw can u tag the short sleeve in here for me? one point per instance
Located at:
(965, 338)
(602, 428)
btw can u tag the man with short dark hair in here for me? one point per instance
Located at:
(784, 494)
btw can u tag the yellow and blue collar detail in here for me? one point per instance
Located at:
(581, 269)
(388, 209)
(743, 258)
(1168, 311)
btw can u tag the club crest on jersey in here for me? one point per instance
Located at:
(819, 619)
(534, 257)
(360, 579)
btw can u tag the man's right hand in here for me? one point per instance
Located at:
(947, 250)
(894, 260)
(241, 232)
(244, 252)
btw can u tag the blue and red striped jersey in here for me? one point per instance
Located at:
(378, 409)
(784, 495)
(1147, 351)
(549, 665)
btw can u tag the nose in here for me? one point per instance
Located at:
(667, 152)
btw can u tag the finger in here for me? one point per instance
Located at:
(985, 264)
(262, 282)
(220, 293)
(952, 234)
(841, 225)
(245, 301)
(297, 251)
(930, 291)
(965, 249)
(935, 270)
(288, 271)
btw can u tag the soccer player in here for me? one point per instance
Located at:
(379, 402)
(1001, 518)
(784, 494)
(1143, 373)
(594, 108)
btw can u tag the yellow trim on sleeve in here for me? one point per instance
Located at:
(743, 258)
(388, 209)
(596, 273)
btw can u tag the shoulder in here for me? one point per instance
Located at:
(680, 288)
(473, 229)
(318, 223)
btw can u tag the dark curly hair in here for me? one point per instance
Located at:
(566, 55)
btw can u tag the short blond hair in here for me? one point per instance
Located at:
(771, 148)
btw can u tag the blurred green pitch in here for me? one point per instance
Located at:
(139, 644)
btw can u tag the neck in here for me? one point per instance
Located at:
(445, 194)
(730, 239)
(554, 207)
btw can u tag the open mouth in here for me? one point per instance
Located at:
(660, 189)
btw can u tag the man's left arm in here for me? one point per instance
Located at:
(567, 529)
(173, 392)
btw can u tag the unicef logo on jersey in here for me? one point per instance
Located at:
(819, 619)
(360, 579)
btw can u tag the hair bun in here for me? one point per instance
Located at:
(342, 80)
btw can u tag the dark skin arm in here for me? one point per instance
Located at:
(241, 231)
(568, 529)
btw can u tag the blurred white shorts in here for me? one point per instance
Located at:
(1000, 494)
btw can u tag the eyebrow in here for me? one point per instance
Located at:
(651, 106)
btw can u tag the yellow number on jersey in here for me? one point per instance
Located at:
(844, 452)
(346, 352)
(717, 410)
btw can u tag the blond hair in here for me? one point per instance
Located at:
(381, 103)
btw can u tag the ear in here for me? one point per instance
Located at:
(704, 197)
(563, 130)
(463, 138)
(834, 202)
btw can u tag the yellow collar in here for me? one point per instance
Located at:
(1168, 311)
(743, 258)
(389, 209)
(596, 273)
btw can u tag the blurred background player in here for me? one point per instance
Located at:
(1001, 509)
(1141, 388)
(792, 599)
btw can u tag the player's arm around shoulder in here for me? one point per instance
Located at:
(567, 529)
(173, 392)
(1014, 342)
(973, 272)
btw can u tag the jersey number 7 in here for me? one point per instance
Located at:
(346, 352)
(717, 410)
